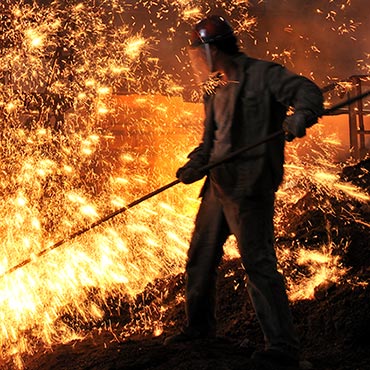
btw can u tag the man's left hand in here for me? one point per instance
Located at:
(188, 175)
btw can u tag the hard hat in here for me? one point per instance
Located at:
(209, 30)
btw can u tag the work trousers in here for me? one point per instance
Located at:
(251, 221)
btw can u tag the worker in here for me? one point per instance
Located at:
(246, 99)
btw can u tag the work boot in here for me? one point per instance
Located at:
(188, 335)
(278, 358)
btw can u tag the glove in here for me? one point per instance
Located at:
(295, 126)
(188, 175)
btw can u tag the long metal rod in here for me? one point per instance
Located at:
(170, 185)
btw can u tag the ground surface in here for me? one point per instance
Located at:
(334, 326)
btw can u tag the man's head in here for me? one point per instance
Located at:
(215, 30)
(210, 39)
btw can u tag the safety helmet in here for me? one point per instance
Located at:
(209, 30)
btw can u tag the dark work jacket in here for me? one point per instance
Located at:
(265, 92)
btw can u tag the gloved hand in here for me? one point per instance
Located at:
(295, 126)
(188, 175)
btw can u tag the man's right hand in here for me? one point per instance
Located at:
(295, 126)
(188, 175)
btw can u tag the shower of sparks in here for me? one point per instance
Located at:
(323, 269)
(285, 56)
(91, 122)
(333, 13)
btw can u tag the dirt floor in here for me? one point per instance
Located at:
(334, 326)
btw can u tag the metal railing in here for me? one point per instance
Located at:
(354, 85)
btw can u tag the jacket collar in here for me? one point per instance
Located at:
(241, 61)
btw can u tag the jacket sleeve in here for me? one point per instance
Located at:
(296, 91)
(196, 158)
